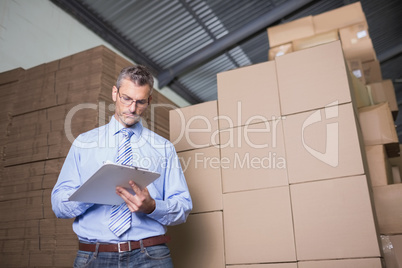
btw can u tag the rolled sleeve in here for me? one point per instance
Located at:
(67, 183)
(176, 204)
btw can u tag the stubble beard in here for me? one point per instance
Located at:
(129, 120)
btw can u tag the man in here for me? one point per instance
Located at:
(139, 240)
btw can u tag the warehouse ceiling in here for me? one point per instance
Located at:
(187, 42)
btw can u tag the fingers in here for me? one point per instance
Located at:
(135, 187)
(127, 198)
(131, 206)
(141, 195)
(122, 192)
(141, 201)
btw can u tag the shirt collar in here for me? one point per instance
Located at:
(115, 126)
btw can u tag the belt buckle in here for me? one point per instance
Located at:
(122, 243)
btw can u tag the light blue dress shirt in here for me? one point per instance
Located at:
(88, 153)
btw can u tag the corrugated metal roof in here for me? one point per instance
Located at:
(164, 32)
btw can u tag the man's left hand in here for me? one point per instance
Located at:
(140, 202)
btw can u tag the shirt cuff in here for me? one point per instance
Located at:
(160, 211)
(77, 208)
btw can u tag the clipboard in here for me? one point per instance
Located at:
(100, 188)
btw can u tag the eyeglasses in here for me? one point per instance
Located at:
(128, 101)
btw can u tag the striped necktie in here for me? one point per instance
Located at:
(120, 217)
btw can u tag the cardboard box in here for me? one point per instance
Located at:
(203, 175)
(66, 242)
(347, 263)
(195, 126)
(356, 43)
(392, 149)
(388, 200)
(377, 124)
(356, 68)
(21, 189)
(253, 157)
(372, 71)
(19, 230)
(11, 76)
(378, 165)
(47, 205)
(353, 35)
(339, 18)
(41, 258)
(396, 174)
(248, 95)
(9, 82)
(279, 51)
(265, 265)
(392, 248)
(364, 51)
(62, 257)
(20, 259)
(199, 242)
(312, 78)
(28, 208)
(315, 40)
(36, 83)
(287, 32)
(326, 139)
(383, 91)
(258, 226)
(361, 94)
(336, 213)
(60, 227)
(397, 161)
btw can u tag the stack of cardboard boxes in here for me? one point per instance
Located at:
(7, 92)
(295, 189)
(43, 109)
(298, 160)
(375, 99)
(195, 133)
(347, 24)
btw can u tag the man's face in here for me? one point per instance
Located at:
(126, 113)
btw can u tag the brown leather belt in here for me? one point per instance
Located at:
(125, 246)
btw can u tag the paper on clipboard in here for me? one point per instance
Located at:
(100, 188)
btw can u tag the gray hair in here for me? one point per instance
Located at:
(138, 74)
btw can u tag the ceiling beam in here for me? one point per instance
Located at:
(228, 41)
(105, 31)
(110, 35)
(389, 54)
(205, 28)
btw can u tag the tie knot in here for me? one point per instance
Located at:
(127, 132)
